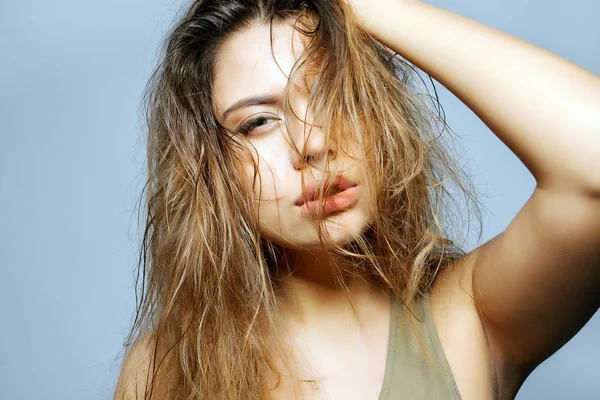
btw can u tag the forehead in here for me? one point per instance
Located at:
(249, 63)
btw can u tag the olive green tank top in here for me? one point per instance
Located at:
(416, 367)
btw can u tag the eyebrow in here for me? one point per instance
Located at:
(269, 99)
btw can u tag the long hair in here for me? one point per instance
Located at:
(207, 281)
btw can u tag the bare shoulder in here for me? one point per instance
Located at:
(135, 372)
(461, 332)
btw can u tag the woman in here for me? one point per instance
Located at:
(294, 245)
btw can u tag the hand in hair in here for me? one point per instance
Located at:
(369, 12)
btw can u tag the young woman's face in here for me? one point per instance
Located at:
(247, 84)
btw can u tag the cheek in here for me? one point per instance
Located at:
(271, 170)
(269, 188)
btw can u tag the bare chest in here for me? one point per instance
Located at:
(328, 373)
(340, 358)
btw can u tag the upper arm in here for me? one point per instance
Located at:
(536, 284)
(135, 373)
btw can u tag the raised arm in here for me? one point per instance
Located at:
(536, 284)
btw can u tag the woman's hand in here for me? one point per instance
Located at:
(369, 12)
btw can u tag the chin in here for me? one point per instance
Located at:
(342, 228)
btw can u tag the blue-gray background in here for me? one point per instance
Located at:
(71, 168)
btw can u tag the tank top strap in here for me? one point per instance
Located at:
(416, 366)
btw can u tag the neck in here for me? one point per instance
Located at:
(314, 292)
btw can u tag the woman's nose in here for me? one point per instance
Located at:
(311, 144)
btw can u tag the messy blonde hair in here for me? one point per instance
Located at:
(208, 283)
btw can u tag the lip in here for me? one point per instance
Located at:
(345, 195)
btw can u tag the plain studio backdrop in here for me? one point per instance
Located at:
(72, 167)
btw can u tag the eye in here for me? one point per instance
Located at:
(254, 124)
